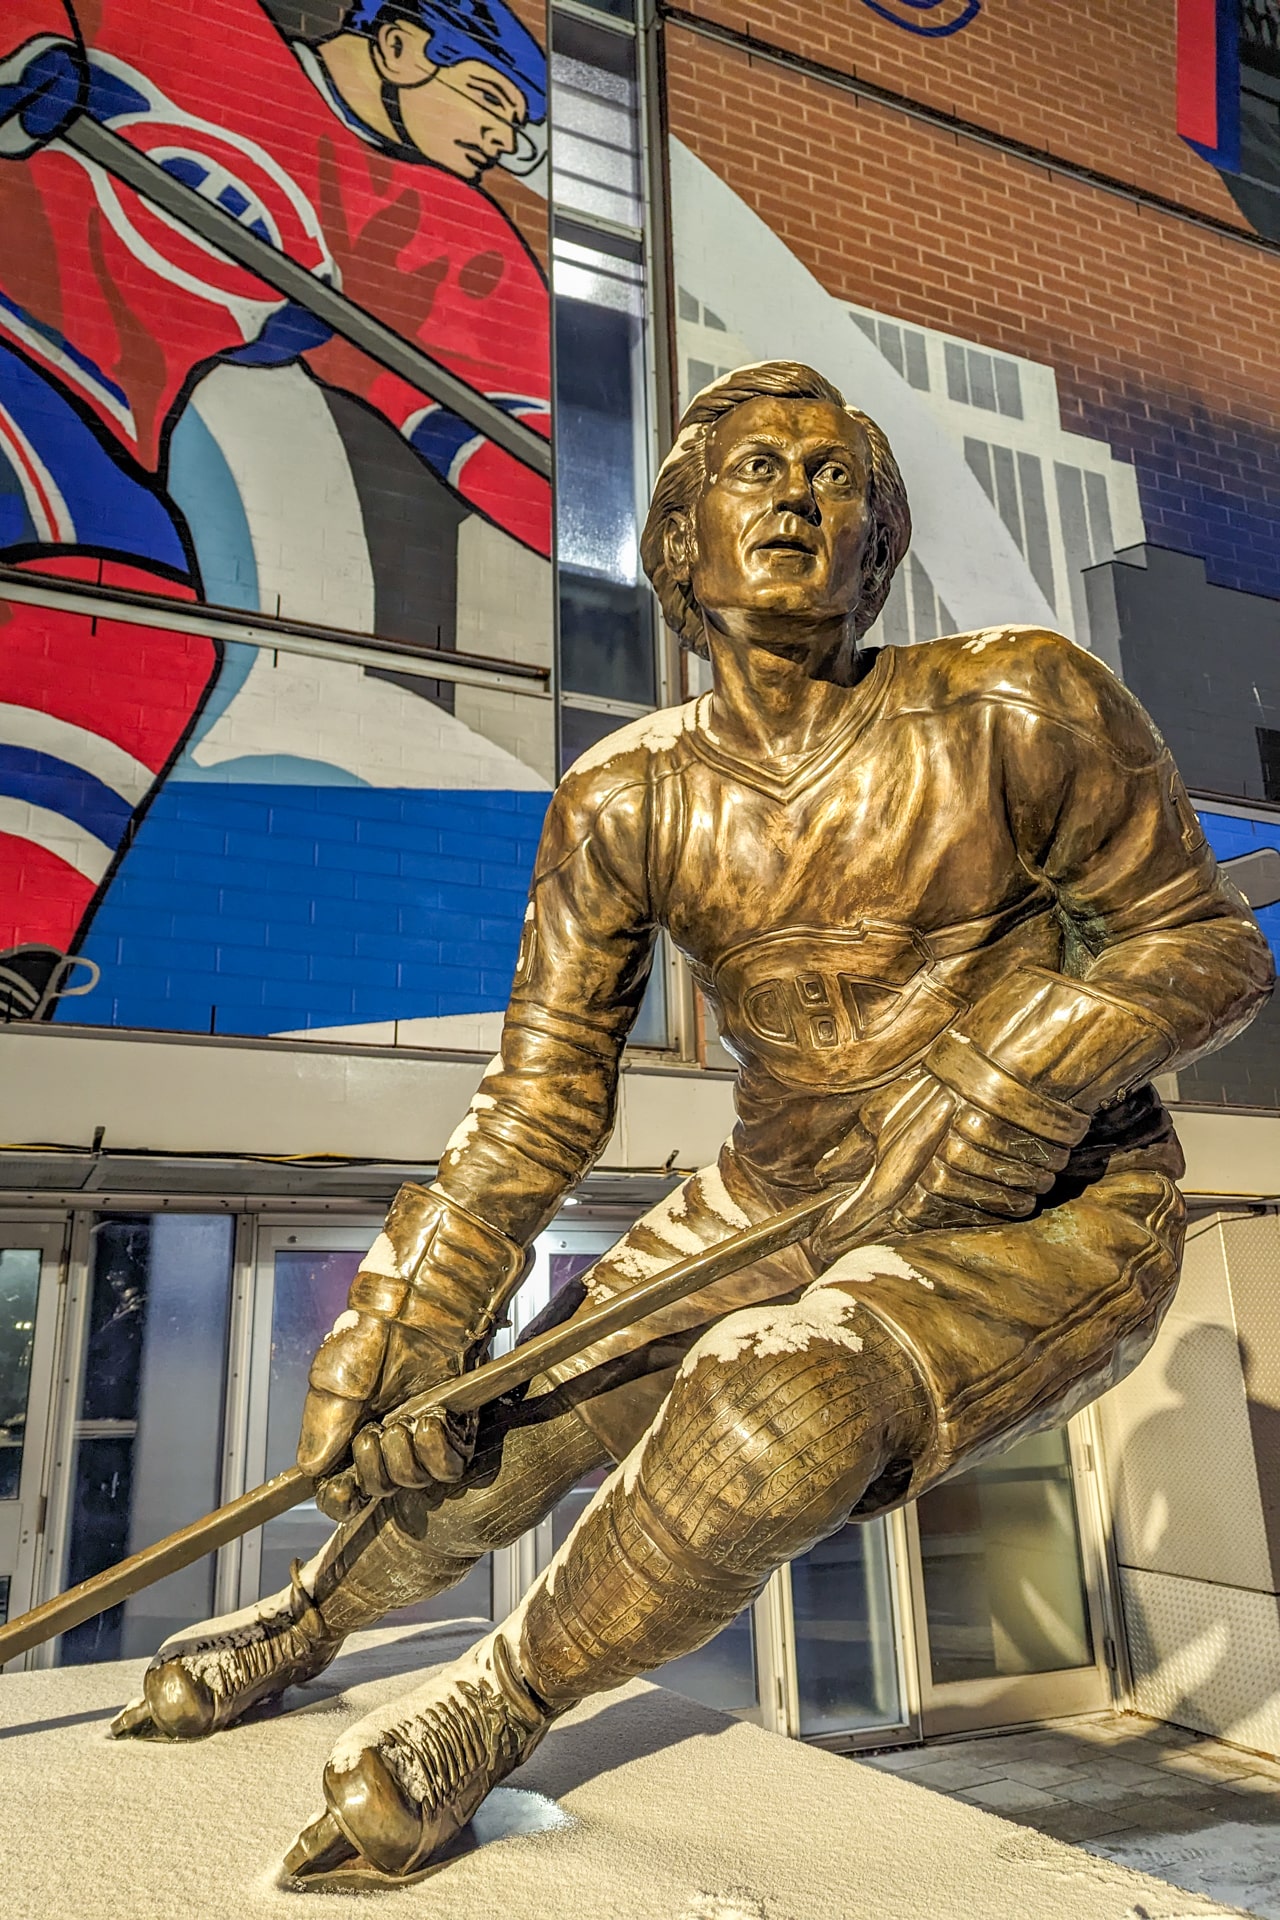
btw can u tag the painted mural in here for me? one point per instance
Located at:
(174, 428)
(1229, 99)
(927, 19)
(1009, 509)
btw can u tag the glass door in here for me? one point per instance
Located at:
(140, 1425)
(301, 1281)
(1007, 1591)
(30, 1270)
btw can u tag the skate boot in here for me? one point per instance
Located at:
(210, 1676)
(403, 1784)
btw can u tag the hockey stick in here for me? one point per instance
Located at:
(464, 1394)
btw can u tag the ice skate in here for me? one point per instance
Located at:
(401, 1787)
(210, 1676)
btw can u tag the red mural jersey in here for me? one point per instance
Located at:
(123, 306)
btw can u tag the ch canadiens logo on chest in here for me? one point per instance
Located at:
(834, 1007)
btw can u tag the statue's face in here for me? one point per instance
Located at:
(782, 522)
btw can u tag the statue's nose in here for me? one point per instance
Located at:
(795, 494)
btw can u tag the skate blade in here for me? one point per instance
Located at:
(361, 1876)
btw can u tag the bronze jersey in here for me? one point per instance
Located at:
(988, 801)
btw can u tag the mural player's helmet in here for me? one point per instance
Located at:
(467, 30)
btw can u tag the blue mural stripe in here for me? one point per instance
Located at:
(43, 781)
(112, 505)
(257, 909)
(1230, 836)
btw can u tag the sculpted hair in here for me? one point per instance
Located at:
(681, 477)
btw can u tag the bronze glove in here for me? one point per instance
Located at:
(421, 1310)
(981, 1128)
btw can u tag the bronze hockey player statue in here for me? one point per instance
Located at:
(953, 909)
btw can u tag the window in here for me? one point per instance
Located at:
(607, 630)
(1256, 188)
(914, 611)
(1085, 510)
(1014, 483)
(607, 625)
(148, 1431)
(1269, 754)
(903, 347)
(982, 380)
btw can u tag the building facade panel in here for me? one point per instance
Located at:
(1158, 331)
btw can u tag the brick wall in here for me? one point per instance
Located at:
(1092, 81)
(1161, 333)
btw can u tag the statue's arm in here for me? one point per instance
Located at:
(544, 1111)
(1163, 961)
(439, 1276)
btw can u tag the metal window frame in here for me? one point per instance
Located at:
(658, 391)
(1006, 1701)
(48, 1232)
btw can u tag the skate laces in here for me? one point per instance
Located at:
(481, 1724)
(275, 1645)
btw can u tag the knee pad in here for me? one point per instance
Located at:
(778, 1420)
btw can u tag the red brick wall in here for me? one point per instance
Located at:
(894, 214)
(1089, 80)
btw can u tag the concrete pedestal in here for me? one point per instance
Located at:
(673, 1813)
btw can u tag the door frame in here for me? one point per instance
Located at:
(48, 1234)
(249, 1369)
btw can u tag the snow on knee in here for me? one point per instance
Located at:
(764, 1333)
(866, 1264)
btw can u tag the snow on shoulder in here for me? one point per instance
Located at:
(652, 733)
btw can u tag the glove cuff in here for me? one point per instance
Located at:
(439, 1268)
(965, 1069)
(1045, 1037)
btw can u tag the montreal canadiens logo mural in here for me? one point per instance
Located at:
(930, 19)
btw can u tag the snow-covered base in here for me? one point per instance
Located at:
(669, 1812)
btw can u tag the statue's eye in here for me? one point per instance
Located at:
(836, 474)
(756, 466)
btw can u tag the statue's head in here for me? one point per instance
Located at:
(776, 499)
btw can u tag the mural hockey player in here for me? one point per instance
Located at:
(953, 910)
(364, 159)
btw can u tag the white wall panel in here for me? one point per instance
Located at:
(182, 1096)
(1205, 1656)
(1184, 1487)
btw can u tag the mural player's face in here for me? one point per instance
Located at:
(782, 522)
(465, 117)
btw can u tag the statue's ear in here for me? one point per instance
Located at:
(680, 546)
(877, 564)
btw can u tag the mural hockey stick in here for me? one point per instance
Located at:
(465, 1394)
(333, 309)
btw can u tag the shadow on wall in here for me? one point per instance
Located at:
(1204, 1646)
